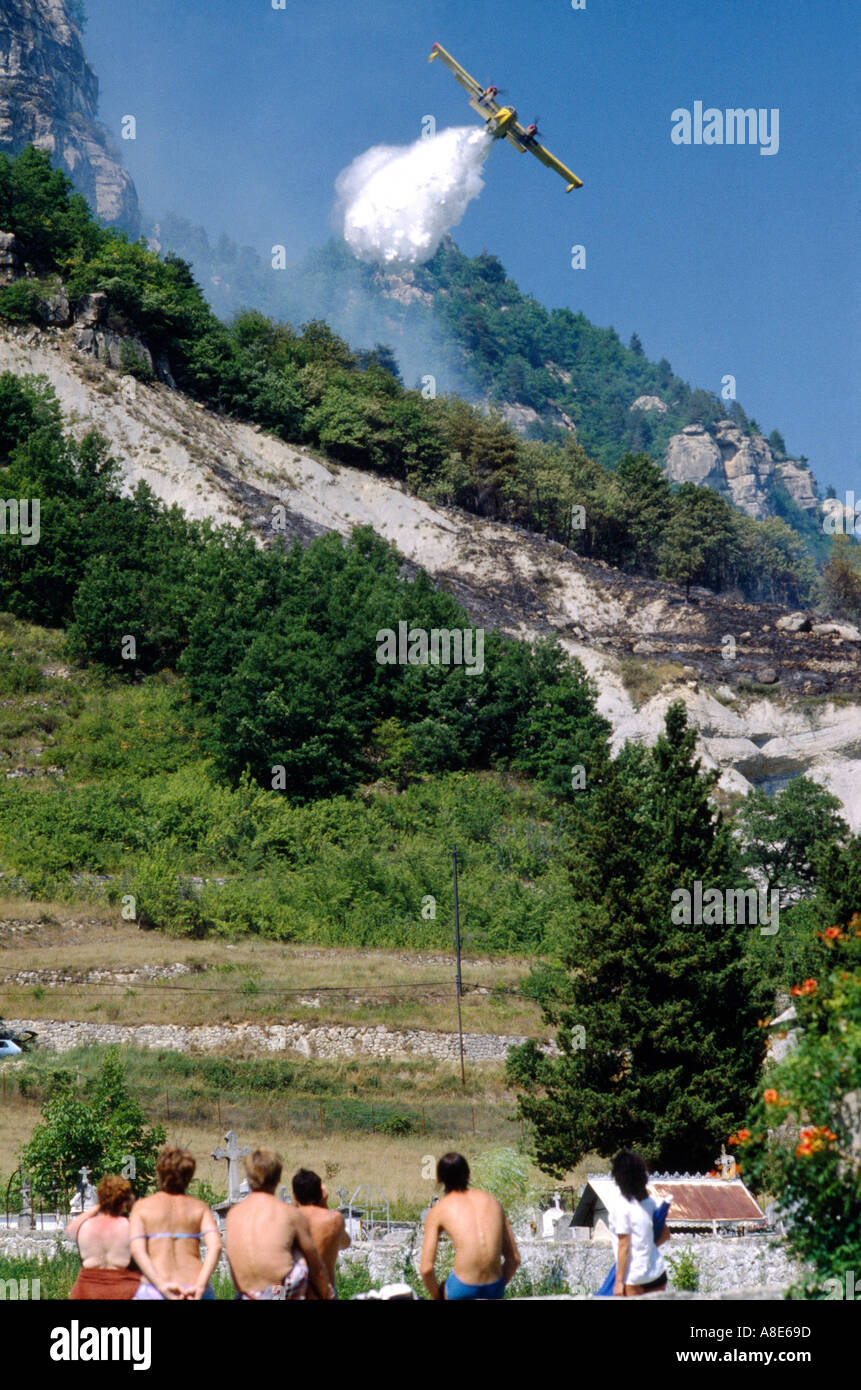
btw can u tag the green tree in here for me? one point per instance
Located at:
(103, 1131)
(784, 836)
(777, 443)
(645, 508)
(843, 577)
(669, 1046)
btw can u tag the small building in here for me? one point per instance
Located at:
(708, 1206)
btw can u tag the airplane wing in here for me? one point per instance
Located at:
(468, 83)
(555, 164)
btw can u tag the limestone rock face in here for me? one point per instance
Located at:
(741, 467)
(800, 484)
(649, 403)
(49, 98)
(10, 258)
(693, 457)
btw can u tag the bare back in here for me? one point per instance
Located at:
(169, 1220)
(260, 1236)
(103, 1241)
(328, 1233)
(475, 1224)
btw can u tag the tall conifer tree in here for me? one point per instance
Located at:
(671, 1046)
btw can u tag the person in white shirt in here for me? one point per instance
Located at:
(640, 1265)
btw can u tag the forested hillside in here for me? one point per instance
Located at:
(480, 335)
(309, 386)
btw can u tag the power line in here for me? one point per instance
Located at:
(442, 988)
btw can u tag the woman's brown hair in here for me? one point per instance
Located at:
(175, 1169)
(115, 1195)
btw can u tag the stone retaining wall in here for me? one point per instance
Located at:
(757, 1264)
(308, 1040)
(724, 1263)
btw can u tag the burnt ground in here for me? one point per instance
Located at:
(690, 633)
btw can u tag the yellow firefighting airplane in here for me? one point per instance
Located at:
(501, 121)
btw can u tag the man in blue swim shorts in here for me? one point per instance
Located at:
(485, 1254)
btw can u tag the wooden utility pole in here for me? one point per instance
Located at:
(458, 979)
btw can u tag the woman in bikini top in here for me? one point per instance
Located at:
(166, 1231)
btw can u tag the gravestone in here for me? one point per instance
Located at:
(550, 1218)
(86, 1195)
(232, 1153)
(25, 1218)
(368, 1208)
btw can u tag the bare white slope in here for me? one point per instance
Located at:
(216, 467)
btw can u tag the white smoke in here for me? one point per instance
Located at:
(396, 202)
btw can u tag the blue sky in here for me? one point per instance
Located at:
(722, 259)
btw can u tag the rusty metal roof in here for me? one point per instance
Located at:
(693, 1200)
(706, 1200)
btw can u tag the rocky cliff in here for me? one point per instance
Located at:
(49, 97)
(742, 467)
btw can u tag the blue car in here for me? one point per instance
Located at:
(8, 1048)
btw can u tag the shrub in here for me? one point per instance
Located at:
(684, 1271)
(800, 1142)
(505, 1173)
(398, 1124)
(19, 302)
(101, 1130)
(164, 897)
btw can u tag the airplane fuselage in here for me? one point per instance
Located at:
(499, 122)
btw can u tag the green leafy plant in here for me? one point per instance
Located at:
(398, 1125)
(505, 1173)
(684, 1271)
(800, 1141)
(102, 1131)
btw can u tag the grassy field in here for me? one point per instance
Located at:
(353, 1121)
(250, 979)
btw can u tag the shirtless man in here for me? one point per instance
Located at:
(269, 1246)
(328, 1231)
(485, 1254)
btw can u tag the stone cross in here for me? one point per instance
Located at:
(232, 1153)
(727, 1163)
(87, 1191)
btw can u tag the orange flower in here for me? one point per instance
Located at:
(812, 1139)
(832, 933)
(740, 1138)
(809, 987)
(770, 1096)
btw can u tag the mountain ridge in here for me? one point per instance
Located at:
(441, 321)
